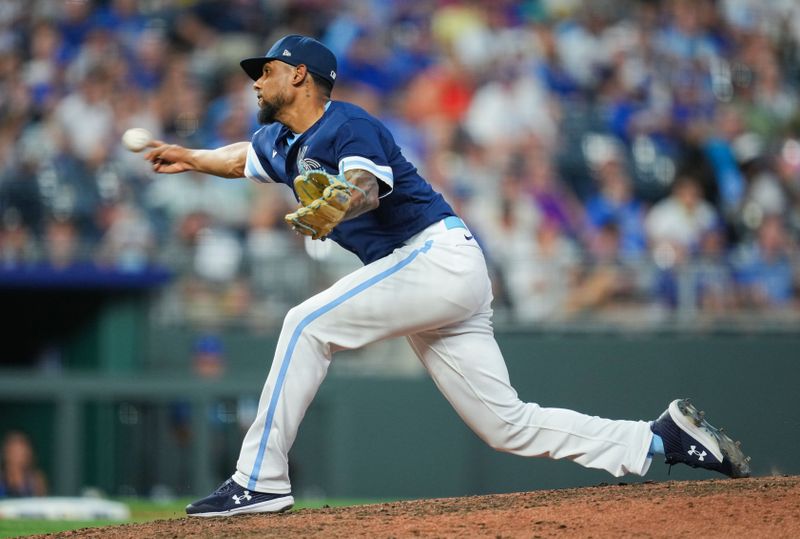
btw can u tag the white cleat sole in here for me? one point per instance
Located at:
(693, 422)
(277, 505)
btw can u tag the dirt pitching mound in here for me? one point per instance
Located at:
(759, 507)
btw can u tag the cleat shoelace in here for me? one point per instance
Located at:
(224, 487)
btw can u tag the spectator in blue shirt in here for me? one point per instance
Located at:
(615, 202)
(765, 272)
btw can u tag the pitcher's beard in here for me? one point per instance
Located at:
(268, 111)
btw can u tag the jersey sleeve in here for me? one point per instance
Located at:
(360, 146)
(256, 167)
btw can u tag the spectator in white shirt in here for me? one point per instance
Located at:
(675, 225)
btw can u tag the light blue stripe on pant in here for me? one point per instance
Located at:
(287, 357)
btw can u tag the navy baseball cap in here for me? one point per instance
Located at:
(296, 50)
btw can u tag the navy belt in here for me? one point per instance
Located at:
(454, 222)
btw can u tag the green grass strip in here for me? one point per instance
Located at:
(142, 510)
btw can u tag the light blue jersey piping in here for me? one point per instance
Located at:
(287, 357)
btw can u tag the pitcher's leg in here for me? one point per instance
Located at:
(297, 371)
(377, 301)
(467, 366)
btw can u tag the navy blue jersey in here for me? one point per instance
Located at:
(348, 138)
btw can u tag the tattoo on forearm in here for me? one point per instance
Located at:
(365, 198)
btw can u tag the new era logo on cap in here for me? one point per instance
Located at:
(295, 50)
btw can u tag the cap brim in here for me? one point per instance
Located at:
(254, 66)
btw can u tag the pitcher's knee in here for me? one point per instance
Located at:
(505, 444)
(504, 438)
(303, 318)
(300, 326)
(496, 443)
(295, 317)
(509, 427)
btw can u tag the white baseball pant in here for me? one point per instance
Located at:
(434, 289)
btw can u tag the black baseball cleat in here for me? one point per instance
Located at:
(690, 439)
(232, 499)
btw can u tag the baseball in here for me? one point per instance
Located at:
(136, 139)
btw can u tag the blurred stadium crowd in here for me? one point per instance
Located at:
(633, 160)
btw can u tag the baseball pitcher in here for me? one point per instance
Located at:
(424, 277)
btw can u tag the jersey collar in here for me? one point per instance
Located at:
(291, 137)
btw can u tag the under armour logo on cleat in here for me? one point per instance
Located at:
(693, 451)
(238, 499)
